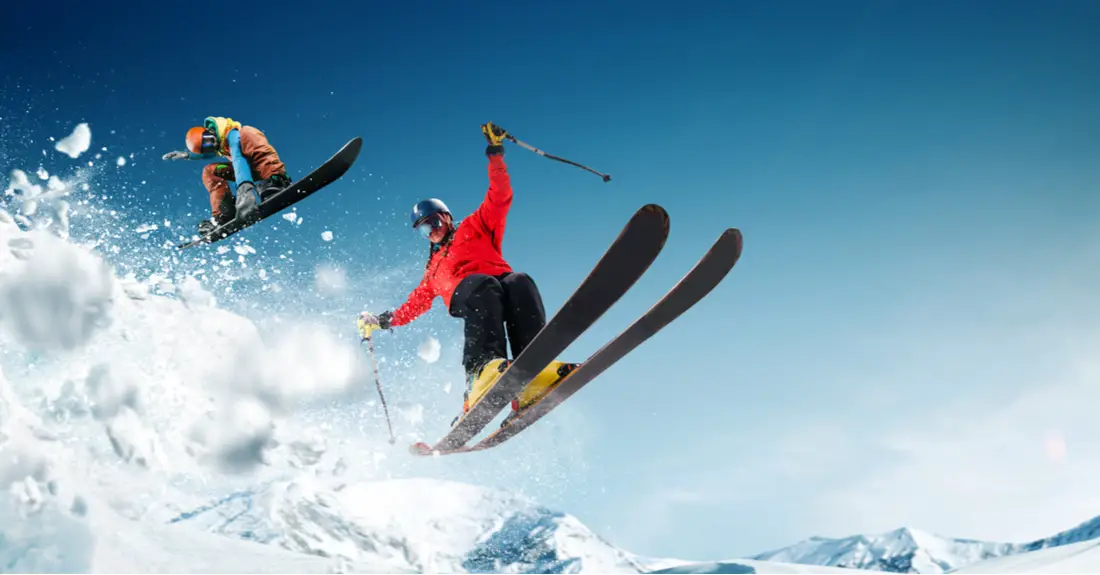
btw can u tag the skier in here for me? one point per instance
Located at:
(468, 271)
(250, 155)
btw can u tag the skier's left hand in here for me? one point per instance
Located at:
(369, 322)
(175, 155)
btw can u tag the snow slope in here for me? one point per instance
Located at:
(118, 403)
(1080, 557)
(902, 550)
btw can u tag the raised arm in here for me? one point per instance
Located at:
(493, 211)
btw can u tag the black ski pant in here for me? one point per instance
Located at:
(491, 304)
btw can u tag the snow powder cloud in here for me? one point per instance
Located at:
(58, 298)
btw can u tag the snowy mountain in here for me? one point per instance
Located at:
(901, 551)
(421, 525)
(911, 551)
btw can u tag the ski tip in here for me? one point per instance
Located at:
(420, 448)
(650, 210)
(352, 148)
(738, 238)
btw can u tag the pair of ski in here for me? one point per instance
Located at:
(629, 256)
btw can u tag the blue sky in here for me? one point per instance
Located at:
(916, 183)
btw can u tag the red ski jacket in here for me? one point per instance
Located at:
(474, 248)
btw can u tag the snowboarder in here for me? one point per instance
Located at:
(250, 156)
(468, 271)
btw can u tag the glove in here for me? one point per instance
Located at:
(175, 156)
(496, 136)
(369, 322)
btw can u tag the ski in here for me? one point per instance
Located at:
(707, 273)
(624, 262)
(324, 175)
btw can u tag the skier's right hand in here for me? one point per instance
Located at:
(175, 155)
(369, 322)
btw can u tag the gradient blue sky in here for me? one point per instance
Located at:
(916, 182)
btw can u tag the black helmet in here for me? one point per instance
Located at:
(426, 209)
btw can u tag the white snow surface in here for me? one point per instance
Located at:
(1081, 557)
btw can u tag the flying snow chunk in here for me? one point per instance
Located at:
(429, 350)
(77, 142)
(290, 217)
(121, 161)
(43, 174)
(326, 235)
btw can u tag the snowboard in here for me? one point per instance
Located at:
(624, 262)
(324, 175)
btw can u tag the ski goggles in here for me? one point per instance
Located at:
(429, 224)
(209, 143)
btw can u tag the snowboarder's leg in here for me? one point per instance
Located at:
(216, 178)
(479, 301)
(525, 316)
(264, 161)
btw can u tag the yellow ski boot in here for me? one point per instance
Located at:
(478, 385)
(545, 382)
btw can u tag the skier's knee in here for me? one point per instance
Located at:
(518, 279)
(211, 178)
(480, 283)
(473, 288)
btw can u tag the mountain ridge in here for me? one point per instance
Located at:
(910, 550)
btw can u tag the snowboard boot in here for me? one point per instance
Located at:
(479, 383)
(270, 186)
(226, 212)
(549, 378)
(248, 202)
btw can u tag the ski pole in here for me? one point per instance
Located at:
(378, 384)
(606, 177)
